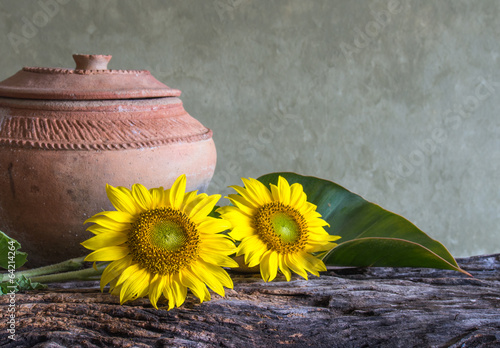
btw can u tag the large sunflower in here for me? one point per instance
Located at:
(278, 228)
(161, 242)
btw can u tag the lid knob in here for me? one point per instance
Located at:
(91, 61)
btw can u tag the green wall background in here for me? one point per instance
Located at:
(396, 100)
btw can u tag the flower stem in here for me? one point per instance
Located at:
(64, 266)
(82, 274)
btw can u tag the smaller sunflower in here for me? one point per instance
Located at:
(278, 228)
(161, 242)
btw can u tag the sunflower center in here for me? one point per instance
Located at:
(167, 235)
(164, 240)
(281, 227)
(285, 227)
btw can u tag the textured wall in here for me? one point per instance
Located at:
(396, 100)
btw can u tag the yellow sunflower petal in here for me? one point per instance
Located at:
(97, 229)
(179, 290)
(157, 197)
(269, 266)
(235, 216)
(332, 238)
(208, 278)
(134, 285)
(219, 273)
(275, 192)
(305, 262)
(118, 216)
(145, 290)
(240, 232)
(196, 286)
(313, 247)
(126, 292)
(313, 264)
(284, 268)
(253, 249)
(213, 225)
(207, 294)
(113, 289)
(297, 196)
(248, 196)
(109, 223)
(291, 262)
(317, 223)
(191, 199)
(114, 270)
(168, 291)
(265, 194)
(177, 192)
(242, 204)
(220, 246)
(142, 196)
(165, 199)
(250, 244)
(319, 233)
(110, 253)
(314, 215)
(309, 208)
(284, 189)
(273, 264)
(156, 289)
(121, 200)
(129, 271)
(204, 208)
(218, 259)
(105, 239)
(257, 190)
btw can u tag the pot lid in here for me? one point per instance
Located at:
(90, 80)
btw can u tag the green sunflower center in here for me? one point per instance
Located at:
(281, 227)
(285, 227)
(168, 235)
(164, 240)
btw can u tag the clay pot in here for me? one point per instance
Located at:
(65, 134)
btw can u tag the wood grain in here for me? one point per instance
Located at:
(349, 307)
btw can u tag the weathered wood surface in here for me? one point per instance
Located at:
(377, 307)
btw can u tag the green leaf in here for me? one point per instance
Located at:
(9, 254)
(214, 212)
(6, 288)
(26, 284)
(20, 284)
(370, 235)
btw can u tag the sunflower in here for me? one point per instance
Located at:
(278, 228)
(161, 242)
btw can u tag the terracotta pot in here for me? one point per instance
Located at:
(65, 134)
